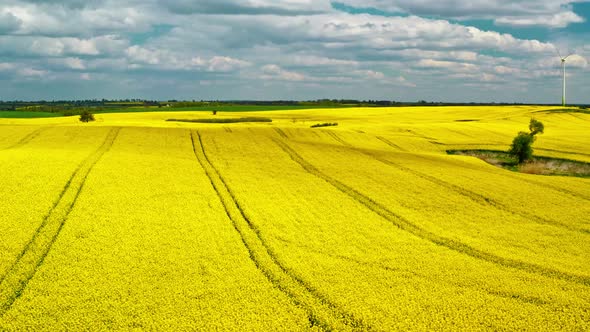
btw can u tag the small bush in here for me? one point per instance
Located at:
(326, 124)
(86, 116)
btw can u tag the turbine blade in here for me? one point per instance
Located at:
(558, 53)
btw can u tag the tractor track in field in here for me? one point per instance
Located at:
(564, 152)
(32, 256)
(469, 144)
(410, 227)
(376, 265)
(477, 198)
(321, 312)
(548, 186)
(498, 135)
(577, 116)
(458, 132)
(26, 139)
(337, 138)
(512, 176)
(390, 143)
(418, 135)
(366, 264)
(281, 132)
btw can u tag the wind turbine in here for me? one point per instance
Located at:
(563, 67)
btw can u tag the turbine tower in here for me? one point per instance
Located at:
(563, 67)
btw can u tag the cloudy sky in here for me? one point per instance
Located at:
(408, 50)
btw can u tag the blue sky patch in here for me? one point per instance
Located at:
(300, 50)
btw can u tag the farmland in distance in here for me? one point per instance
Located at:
(138, 222)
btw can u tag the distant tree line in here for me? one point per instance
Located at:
(72, 107)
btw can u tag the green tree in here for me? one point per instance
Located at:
(536, 127)
(86, 116)
(522, 145)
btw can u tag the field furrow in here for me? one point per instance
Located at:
(472, 195)
(35, 251)
(321, 312)
(390, 143)
(528, 180)
(23, 141)
(47, 217)
(281, 132)
(572, 193)
(564, 152)
(41, 169)
(519, 178)
(479, 198)
(329, 239)
(444, 211)
(154, 246)
(414, 229)
(337, 138)
(508, 174)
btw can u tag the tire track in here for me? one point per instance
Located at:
(578, 116)
(281, 132)
(376, 265)
(410, 227)
(458, 132)
(564, 152)
(470, 144)
(478, 198)
(14, 282)
(515, 177)
(416, 134)
(390, 143)
(497, 134)
(29, 137)
(321, 312)
(548, 186)
(337, 138)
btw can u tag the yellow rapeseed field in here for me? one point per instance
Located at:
(133, 222)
